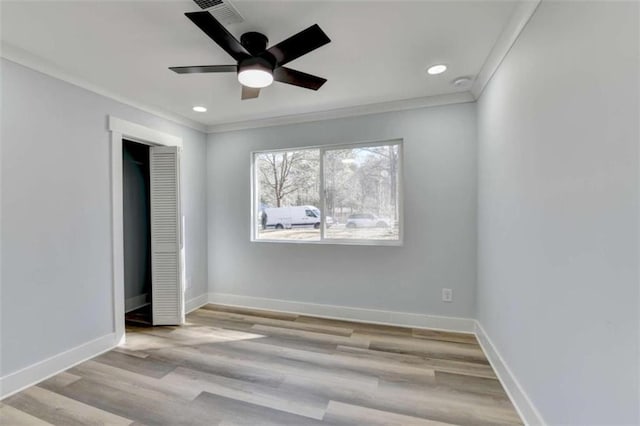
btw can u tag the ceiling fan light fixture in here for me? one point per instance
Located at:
(256, 78)
(256, 72)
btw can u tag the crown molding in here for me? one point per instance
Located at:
(518, 20)
(29, 60)
(401, 105)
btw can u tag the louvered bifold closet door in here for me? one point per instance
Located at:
(166, 283)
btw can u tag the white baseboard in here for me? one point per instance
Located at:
(528, 412)
(196, 302)
(28, 376)
(403, 319)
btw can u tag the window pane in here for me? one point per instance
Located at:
(288, 195)
(362, 193)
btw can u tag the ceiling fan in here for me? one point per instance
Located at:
(257, 66)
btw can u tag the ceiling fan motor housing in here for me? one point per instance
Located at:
(254, 42)
(256, 63)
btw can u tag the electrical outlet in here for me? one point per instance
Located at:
(189, 282)
(447, 295)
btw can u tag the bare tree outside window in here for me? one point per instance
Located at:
(288, 186)
(361, 184)
(289, 176)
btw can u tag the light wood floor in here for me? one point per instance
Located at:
(245, 367)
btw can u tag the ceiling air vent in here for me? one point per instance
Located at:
(222, 10)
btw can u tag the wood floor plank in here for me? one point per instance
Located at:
(145, 366)
(62, 379)
(229, 411)
(489, 406)
(464, 382)
(147, 408)
(438, 364)
(295, 325)
(427, 348)
(253, 393)
(348, 414)
(10, 416)
(137, 354)
(60, 410)
(296, 343)
(382, 329)
(236, 366)
(200, 318)
(356, 341)
(248, 311)
(445, 336)
(222, 366)
(147, 340)
(300, 385)
(197, 336)
(189, 335)
(127, 380)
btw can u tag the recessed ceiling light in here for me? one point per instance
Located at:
(437, 69)
(199, 109)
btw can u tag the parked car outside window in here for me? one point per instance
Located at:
(367, 220)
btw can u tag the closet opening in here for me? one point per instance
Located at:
(137, 233)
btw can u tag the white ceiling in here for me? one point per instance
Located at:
(379, 50)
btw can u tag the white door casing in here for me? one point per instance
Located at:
(122, 129)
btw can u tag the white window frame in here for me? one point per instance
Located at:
(323, 199)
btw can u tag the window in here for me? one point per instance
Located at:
(356, 186)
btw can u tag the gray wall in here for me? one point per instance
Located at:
(440, 219)
(558, 211)
(56, 214)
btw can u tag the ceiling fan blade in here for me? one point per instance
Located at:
(298, 78)
(249, 92)
(214, 29)
(300, 44)
(204, 68)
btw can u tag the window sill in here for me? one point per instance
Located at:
(378, 243)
